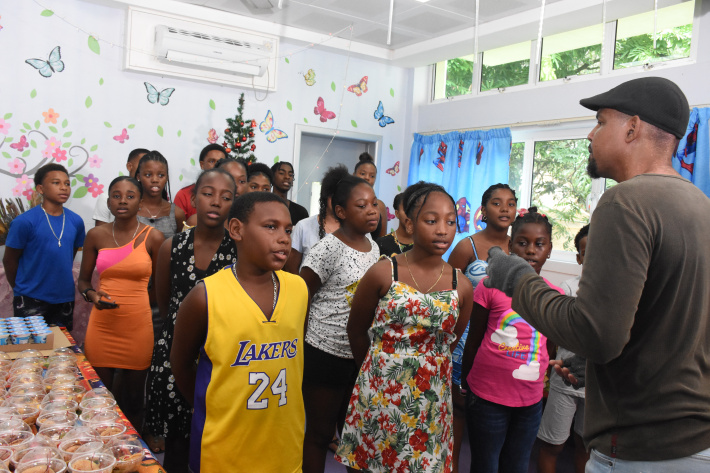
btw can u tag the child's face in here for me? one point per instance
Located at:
(239, 173)
(55, 187)
(582, 250)
(153, 177)
(132, 164)
(532, 243)
(124, 199)
(258, 183)
(367, 172)
(500, 209)
(361, 210)
(268, 234)
(283, 178)
(211, 159)
(213, 199)
(435, 226)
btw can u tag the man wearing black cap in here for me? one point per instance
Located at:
(642, 313)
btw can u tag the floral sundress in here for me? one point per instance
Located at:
(400, 414)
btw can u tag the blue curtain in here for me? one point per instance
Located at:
(692, 160)
(465, 164)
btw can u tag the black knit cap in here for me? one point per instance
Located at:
(655, 100)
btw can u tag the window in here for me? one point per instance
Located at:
(634, 36)
(515, 174)
(505, 67)
(457, 77)
(572, 53)
(561, 187)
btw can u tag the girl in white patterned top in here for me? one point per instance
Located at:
(332, 270)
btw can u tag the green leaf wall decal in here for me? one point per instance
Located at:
(94, 45)
(160, 130)
(88, 102)
(288, 105)
(47, 13)
(212, 104)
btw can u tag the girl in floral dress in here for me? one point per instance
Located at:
(183, 261)
(400, 414)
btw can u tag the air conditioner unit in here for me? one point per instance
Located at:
(207, 52)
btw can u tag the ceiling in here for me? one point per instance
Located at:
(413, 21)
(422, 33)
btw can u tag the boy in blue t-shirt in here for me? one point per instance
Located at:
(40, 249)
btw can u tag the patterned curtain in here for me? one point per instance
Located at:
(465, 164)
(692, 160)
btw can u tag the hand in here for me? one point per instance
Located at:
(572, 371)
(504, 271)
(102, 300)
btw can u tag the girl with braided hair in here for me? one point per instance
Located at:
(311, 230)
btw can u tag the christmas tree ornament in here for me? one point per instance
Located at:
(244, 138)
(251, 134)
(228, 150)
(241, 123)
(253, 147)
(227, 130)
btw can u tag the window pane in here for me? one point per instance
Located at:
(515, 173)
(572, 53)
(561, 186)
(634, 36)
(453, 77)
(505, 67)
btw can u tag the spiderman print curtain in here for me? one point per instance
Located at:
(692, 160)
(466, 164)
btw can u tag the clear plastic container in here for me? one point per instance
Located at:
(51, 465)
(99, 417)
(99, 462)
(82, 431)
(59, 405)
(107, 431)
(21, 389)
(16, 440)
(97, 404)
(11, 425)
(37, 452)
(55, 433)
(69, 447)
(76, 390)
(98, 392)
(56, 418)
(29, 414)
(128, 457)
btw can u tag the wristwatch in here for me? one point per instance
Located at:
(85, 294)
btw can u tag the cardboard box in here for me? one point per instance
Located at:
(55, 340)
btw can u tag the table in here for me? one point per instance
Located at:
(90, 380)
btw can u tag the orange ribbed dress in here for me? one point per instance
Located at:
(122, 337)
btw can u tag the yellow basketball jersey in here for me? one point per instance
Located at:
(249, 414)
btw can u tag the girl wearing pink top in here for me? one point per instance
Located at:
(506, 359)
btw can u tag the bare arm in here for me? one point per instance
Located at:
(383, 218)
(179, 218)
(372, 287)
(293, 262)
(190, 334)
(11, 261)
(462, 254)
(162, 278)
(465, 292)
(98, 223)
(88, 264)
(476, 331)
(313, 283)
(155, 239)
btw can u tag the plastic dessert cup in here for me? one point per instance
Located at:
(98, 462)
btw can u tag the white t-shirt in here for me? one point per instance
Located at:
(340, 269)
(304, 236)
(570, 286)
(101, 211)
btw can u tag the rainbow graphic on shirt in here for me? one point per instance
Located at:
(506, 338)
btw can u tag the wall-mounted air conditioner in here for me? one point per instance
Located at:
(200, 50)
(194, 48)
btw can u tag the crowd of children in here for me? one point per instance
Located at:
(281, 330)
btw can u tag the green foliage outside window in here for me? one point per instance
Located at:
(571, 63)
(637, 50)
(505, 75)
(459, 77)
(515, 172)
(560, 187)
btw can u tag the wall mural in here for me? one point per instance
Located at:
(71, 103)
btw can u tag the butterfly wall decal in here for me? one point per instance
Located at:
(319, 109)
(390, 216)
(393, 170)
(162, 97)
(122, 137)
(20, 145)
(267, 127)
(53, 63)
(381, 117)
(359, 88)
(310, 77)
(212, 136)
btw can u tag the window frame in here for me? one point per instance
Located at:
(566, 131)
(606, 68)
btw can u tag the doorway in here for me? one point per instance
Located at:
(310, 162)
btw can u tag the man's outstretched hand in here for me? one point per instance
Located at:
(504, 271)
(572, 371)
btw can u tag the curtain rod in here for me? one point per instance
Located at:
(541, 123)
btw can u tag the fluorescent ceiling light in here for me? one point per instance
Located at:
(422, 1)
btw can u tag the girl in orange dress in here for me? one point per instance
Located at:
(119, 338)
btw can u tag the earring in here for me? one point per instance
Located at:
(484, 218)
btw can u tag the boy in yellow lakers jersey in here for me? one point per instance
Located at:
(246, 324)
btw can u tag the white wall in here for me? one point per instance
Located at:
(118, 99)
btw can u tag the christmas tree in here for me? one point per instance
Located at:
(239, 135)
